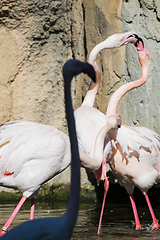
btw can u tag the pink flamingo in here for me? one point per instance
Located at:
(62, 227)
(89, 120)
(135, 158)
(30, 155)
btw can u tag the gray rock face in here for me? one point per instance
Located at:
(36, 39)
(142, 104)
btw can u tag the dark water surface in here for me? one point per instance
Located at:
(117, 223)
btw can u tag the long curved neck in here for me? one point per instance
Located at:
(95, 163)
(73, 205)
(116, 97)
(93, 89)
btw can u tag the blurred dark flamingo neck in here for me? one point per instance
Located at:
(73, 205)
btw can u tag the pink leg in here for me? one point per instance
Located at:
(6, 226)
(138, 225)
(106, 187)
(32, 208)
(155, 222)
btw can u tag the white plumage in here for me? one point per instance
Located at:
(30, 155)
(24, 146)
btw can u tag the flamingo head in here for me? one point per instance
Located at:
(118, 39)
(119, 120)
(115, 120)
(140, 46)
(137, 41)
(142, 51)
(132, 37)
(144, 58)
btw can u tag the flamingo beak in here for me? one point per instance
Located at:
(138, 39)
(139, 44)
(119, 121)
(100, 174)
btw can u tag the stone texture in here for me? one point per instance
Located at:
(37, 37)
(142, 105)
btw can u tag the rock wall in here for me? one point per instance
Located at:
(35, 41)
(37, 37)
(142, 105)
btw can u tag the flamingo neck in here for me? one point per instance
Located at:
(116, 97)
(73, 205)
(95, 163)
(93, 89)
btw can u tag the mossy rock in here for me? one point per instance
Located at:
(56, 192)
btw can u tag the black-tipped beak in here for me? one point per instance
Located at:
(138, 39)
(119, 126)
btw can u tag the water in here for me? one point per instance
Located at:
(117, 223)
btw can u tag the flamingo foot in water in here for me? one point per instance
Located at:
(138, 225)
(155, 226)
(32, 208)
(106, 187)
(8, 223)
(3, 231)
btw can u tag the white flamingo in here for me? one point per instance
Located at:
(135, 161)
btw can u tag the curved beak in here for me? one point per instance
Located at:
(139, 44)
(138, 39)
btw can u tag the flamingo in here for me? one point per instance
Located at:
(31, 154)
(62, 227)
(89, 120)
(135, 161)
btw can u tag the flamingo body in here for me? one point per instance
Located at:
(31, 154)
(140, 165)
(95, 121)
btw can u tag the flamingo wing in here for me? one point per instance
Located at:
(134, 138)
(32, 152)
(89, 122)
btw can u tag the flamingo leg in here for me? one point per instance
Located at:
(106, 187)
(32, 208)
(155, 222)
(8, 223)
(138, 225)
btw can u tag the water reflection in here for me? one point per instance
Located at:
(117, 221)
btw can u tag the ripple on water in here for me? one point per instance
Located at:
(117, 223)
